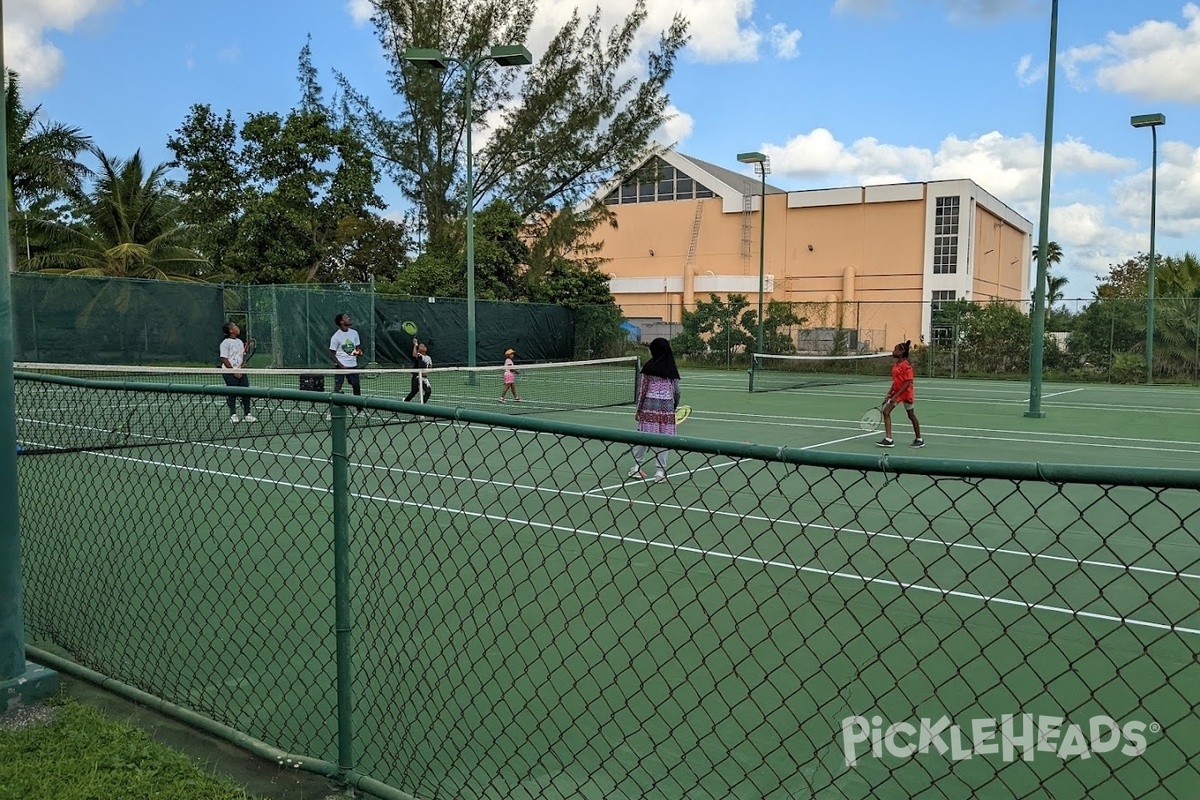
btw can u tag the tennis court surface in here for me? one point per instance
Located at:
(794, 613)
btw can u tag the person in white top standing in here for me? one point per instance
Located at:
(345, 346)
(232, 351)
(510, 376)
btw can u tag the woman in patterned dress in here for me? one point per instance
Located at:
(657, 399)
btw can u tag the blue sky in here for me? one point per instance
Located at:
(837, 92)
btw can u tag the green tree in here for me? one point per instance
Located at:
(1127, 279)
(281, 195)
(779, 317)
(565, 124)
(215, 187)
(367, 247)
(1054, 254)
(43, 166)
(127, 225)
(1177, 317)
(714, 329)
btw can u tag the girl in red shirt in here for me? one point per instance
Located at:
(901, 392)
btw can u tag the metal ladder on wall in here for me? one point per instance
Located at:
(691, 254)
(747, 207)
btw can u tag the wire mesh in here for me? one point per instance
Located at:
(530, 622)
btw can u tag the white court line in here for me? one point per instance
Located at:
(941, 431)
(688, 473)
(592, 494)
(1068, 391)
(733, 557)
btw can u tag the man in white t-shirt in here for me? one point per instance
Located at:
(345, 347)
(231, 353)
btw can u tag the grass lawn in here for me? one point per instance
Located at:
(82, 754)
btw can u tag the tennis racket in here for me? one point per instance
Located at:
(248, 351)
(682, 413)
(409, 327)
(870, 419)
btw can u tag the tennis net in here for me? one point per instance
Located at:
(56, 413)
(770, 373)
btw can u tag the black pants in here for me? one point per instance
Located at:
(354, 379)
(233, 380)
(416, 389)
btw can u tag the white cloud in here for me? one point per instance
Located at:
(360, 10)
(720, 30)
(786, 42)
(964, 11)
(1178, 205)
(229, 55)
(676, 129)
(1157, 60)
(1027, 73)
(26, 22)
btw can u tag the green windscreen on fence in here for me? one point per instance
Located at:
(109, 321)
(525, 621)
(82, 320)
(537, 332)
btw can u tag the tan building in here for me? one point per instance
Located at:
(870, 259)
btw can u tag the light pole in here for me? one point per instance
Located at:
(762, 165)
(513, 55)
(1151, 121)
(1037, 328)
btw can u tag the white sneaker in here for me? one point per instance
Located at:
(249, 418)
(636, 472)
(233, 418)
(660, 477)
(328, 416)
(502, 400)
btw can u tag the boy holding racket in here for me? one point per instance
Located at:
(421, 362)
(510, 376)
(901, 392)
(233, 350)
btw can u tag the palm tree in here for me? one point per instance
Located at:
(128, 225)
(1054, 283)
(1177, 324)
(1054, 254)
(43, 164)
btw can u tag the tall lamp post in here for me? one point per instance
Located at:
(1037, 328)
(762, 166)
(1151, 121)
(513, 55)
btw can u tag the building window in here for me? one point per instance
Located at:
(656, 181)
(945, 236)
(942, 296)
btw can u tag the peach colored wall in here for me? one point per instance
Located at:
(1000, 258)
(882, 243)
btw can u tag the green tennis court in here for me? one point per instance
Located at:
(530, 623)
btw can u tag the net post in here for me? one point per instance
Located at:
(341, 587)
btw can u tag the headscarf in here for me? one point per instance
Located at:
(662, 361)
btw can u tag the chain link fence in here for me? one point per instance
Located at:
(86, 320)
(461, 604)
(1092, 340)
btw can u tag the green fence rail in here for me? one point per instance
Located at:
(463, 604)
